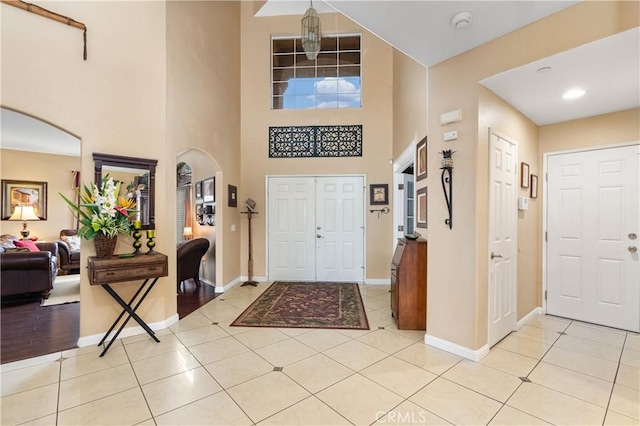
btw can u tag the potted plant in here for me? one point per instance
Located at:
(103, 214)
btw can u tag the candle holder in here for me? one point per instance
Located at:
(150, 243)
(136, 236)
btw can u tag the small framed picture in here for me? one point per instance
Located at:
(24, 193)
(534, 186)
(524, 175)
(421, 159)
(208, 190)
(379, 194)
(233, 196)
(421, 203)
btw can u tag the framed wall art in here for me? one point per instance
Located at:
(208, 190)
(199, 190)
(24, 193)
(524, 175)
(421, 159)
(379, 194)
(534, 186)
(421, 203)
(233, 196)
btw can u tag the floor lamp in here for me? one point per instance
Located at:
(251, 210)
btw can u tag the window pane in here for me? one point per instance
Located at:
(327, 72)
(282, 74)
(350, 58)
(303, 61)
(301, 86)
(282, 45)
(325, 59)
(278, 102)
(305, 72)
(281, 61)
(299, 45)
(349, 71)
(279, 88)
(349, 85)
(349, 43)
(329, 44)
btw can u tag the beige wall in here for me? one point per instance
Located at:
(409, 102)
(457, 278)
(203, 114)
(115, 102)
(55, 170)
(375, 116)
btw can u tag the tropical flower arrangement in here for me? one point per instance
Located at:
(101, 210)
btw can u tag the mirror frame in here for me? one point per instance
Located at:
(101, 160)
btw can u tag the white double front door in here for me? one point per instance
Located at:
(316, 228)
(593, 211)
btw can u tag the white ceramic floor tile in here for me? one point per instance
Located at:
(266, 395)
(632, 342)
(509, 362)
(321, 340)
(509, 416)
(29, 405)
(589, 347)
(601, 334)
(317, 372)
(90, 387)
(197, 336)
(193, 320)
(578, 385)
(630, 358)
(409, 414)
(29, 378)
(30, 362)
(398, 376)
(456, 404)
(260, 337)
(285, 352)
(238, 369)
(596, 367)
(308, 412)
(42, 421)
(359, 400)
(628, 376)
(148, 347)
(355, 355)
(386, 341)
(379, 319)
(165, 365)
(625, 401)
(217, 350)
(617, 419)
(429, 358)
(541, 335)
(484, 380)
(125, 408)
(91, 362)
(555, 407)
(179, 390)
(549, 322)
(523, 346)
(217, 409)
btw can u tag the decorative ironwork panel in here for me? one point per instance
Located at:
(315, 141)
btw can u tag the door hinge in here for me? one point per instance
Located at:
(400, 186)
(546, 235)
(400, 228)
(546, 177)
(545, 295)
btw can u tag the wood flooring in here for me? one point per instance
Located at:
(28, 329)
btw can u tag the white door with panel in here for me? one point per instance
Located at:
(503, 231)
(593, 222)
(316, 228)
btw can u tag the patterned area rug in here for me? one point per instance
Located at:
(307, 305)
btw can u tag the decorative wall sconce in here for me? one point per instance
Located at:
(447, 178)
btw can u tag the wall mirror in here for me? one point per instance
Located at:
(137, 176)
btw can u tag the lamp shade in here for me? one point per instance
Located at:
(311, 33)
(24, 213)
(187, 232)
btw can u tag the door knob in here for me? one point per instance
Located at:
(632, 249)
(495, 256)
(632, 236)
(319, 236)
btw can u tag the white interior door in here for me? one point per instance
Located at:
(593, 219)
(291, 226)
(340, 229)
(503, 229)
(316, 228)
(409, 216)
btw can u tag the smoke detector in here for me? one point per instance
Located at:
(461, 20)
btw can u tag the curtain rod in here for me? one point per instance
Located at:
(29, 7)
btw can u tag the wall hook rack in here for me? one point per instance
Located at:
(447, 183)
(384, 210)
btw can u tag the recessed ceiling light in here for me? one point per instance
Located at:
(461, 20)
(573, 94)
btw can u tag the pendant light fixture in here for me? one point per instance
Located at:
(311, 33)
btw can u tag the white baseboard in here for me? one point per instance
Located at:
(531, 315)
(473, 355)
(377, 281)
(129, 331)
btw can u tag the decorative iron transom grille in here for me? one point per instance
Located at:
(315, 141)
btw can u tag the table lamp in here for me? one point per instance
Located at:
(24, 213)
(187, 233)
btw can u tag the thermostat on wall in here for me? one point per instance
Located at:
(523, 203)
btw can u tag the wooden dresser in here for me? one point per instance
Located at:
(409, 284)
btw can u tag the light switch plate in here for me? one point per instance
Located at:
(450, 136)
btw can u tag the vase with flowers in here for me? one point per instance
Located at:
(102, 214)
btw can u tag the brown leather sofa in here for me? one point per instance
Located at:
(27, 272)
(69, 258)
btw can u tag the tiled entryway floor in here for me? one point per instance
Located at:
(205, 372)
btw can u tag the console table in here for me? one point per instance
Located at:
(116, 269)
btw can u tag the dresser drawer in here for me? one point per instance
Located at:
(107, 271)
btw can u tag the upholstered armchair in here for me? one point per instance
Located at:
(69, 251)
(190, 254)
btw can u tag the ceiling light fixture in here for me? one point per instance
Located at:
(573, 94)
(311, 33)
(461, 20)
